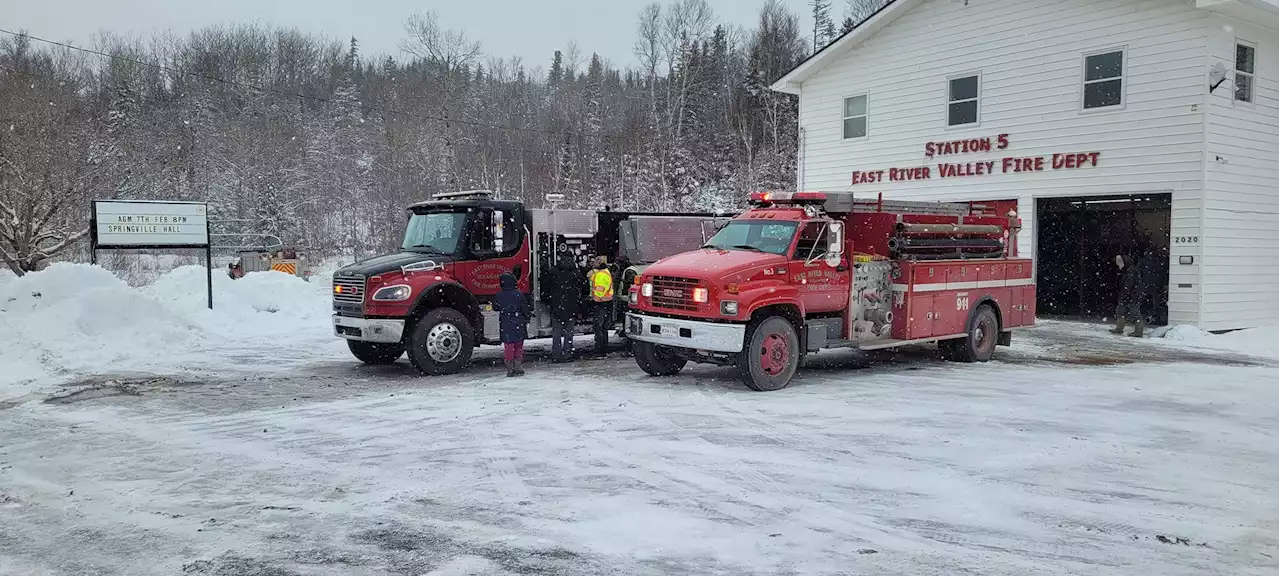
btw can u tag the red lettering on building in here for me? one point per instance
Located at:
(1010, 164)
(1075, 160)
(971, 145)
(868, 176)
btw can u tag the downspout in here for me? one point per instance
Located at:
(1207, 101)
(800, 145)
(800, 163)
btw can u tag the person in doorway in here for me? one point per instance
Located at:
(601, 283)
(513, 319)
(1129, 305)
(1149, 279)
(566, 295)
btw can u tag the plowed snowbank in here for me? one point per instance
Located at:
(72, 319)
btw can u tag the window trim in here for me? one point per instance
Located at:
(946, 96)
(1253, 87)
(1124, 79)
(866, 114)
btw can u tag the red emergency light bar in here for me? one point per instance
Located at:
(797, 198)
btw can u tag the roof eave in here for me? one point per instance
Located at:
(786, 87)
(790, 82)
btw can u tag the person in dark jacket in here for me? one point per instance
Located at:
(566, 295)
(1129, 306)
(513, 319)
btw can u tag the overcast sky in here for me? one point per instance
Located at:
(532, 29)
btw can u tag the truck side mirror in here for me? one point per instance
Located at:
(497, 230)
(835, 243)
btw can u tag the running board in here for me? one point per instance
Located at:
(881, 344)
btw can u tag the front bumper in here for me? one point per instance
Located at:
(383, 330)
(709, 336)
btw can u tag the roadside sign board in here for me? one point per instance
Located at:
(150, 224)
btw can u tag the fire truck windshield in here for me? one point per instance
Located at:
(436, 232)
(771, 237)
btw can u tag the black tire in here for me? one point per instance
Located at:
(983, 332)
(770, 356)
(657, 360)
(441, 342)
(374, 352)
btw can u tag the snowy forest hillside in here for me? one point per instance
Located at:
(304, 137)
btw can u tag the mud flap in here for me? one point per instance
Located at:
(1005, 338)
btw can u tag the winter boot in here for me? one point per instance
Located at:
(1119, 329)
(518, 367)
(511, 371)
(1137, 328)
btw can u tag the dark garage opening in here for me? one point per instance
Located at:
(1077, 240)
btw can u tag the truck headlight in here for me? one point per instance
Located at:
(397, 293)
(700, 295)
(728, 308)
(633, 297)
(646, 289)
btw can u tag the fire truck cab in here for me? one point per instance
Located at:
(432, 299)
(803, 271)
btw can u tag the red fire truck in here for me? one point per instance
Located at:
(432, 298)
(803, 271)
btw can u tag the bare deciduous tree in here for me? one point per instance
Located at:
(301, 137)
(450, 49)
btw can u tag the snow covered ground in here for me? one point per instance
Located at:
(75, 321)
(245, 442)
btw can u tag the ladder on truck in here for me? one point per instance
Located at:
(848, 202)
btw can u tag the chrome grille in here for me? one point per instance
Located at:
(674, 293)
(352, 289)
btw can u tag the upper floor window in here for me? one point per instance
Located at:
(855, 116)
(1244, 72)
(1104, 79)
(962, 100)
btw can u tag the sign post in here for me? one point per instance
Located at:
(151, 224)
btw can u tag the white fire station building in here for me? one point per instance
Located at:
(1111, 126)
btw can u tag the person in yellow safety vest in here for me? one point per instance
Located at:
(601, 283)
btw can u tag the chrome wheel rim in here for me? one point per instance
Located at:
(444, 342)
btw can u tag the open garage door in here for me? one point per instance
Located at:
(1077, 240)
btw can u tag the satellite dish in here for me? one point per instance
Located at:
(1217, 73)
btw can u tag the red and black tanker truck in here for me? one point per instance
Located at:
(432, 298)
(803, 271)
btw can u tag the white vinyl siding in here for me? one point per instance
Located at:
(1241, 240)
(1031, 54)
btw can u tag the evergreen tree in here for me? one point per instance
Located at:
(556, 75)
(822, 26)
(847, 26)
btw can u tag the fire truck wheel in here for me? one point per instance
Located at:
(771, 355)
(441, 342)
(984, 330)
(657, 360)
(375, 353)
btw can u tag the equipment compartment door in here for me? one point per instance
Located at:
(920, 321)
(1013, 312)
(950, 312)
